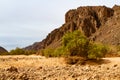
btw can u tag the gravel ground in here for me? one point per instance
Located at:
(40, 68)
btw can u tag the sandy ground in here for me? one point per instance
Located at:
(29, 61)
(114, 60)
(40, 68)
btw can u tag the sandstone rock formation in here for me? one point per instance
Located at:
(2, 50)
(94, 21)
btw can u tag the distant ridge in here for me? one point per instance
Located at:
(99, 23)
(2, 50)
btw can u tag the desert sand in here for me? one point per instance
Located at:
(34, 67)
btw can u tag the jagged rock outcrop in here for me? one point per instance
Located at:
(109, 33)
(89, 20)
(2, 50)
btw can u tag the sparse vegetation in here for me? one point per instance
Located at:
(19, 51)
(49, 52)
(118, 48)
(97, 50)
(74, 47)
(114, 51)
(5, 53)
(76, 44)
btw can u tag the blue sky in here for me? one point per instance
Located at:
(23, 22)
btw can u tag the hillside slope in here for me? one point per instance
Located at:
(90, 20)
(2, 50)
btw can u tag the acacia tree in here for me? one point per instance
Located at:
(77, 44)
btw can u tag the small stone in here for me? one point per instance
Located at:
(24, 76)
(40, 68)
(115, 65)
(44, 78)
(99, 66)
(107, 68)
(12, 69)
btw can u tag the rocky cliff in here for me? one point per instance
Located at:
(109, 32)
(2, 50)
(96, 22)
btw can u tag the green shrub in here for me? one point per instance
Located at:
(49, 52)
(6, 53)
(113, 51)
(118, 48)
(60, 51)
(19, 51)
(97, 50)
(29, 52)
(76, 44)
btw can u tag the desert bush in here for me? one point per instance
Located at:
(114, 51)
(5, 53)
(49, 52)
(29, 52)
(118, 48)
(61, 51)
(76, 44)
(97, 50)
(19, 51)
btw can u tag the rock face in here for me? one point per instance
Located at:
(93, 21)
(2, 50)
(109, 33)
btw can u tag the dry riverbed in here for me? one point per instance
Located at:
(40, 68)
